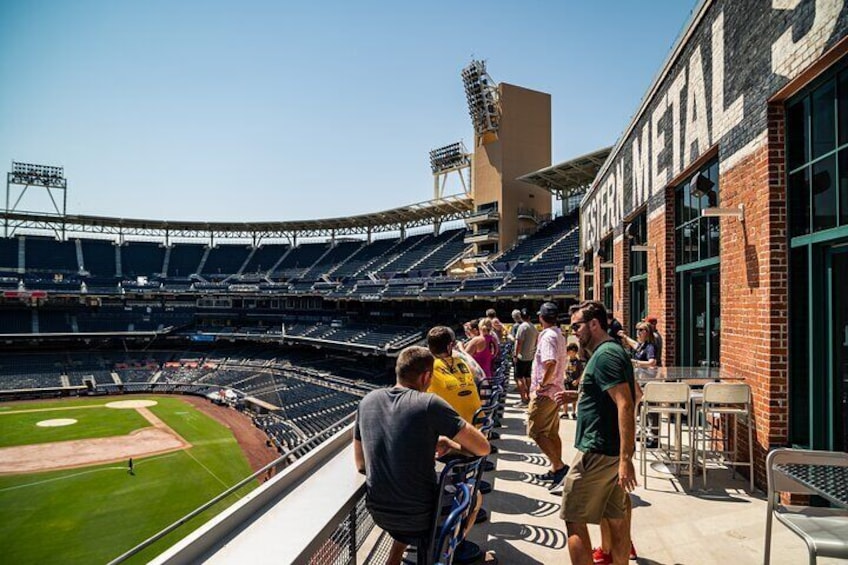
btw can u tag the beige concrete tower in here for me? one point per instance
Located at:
(518, 143)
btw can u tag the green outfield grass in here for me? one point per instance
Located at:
(93, 514)
(19, 428)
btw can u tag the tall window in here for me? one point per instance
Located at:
(817, 150)
(697, 238)
(697, 252)
(606, 273)
(637, 233)
(817, 183)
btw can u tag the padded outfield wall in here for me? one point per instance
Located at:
(719, 101)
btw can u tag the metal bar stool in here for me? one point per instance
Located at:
(669, 399)
(725, 402)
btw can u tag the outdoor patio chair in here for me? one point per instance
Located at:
(725, 402)
(824, 530)
(671, 399)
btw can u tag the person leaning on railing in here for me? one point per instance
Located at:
(398, 433)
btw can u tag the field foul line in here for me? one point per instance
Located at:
(208, 470)
(63, 477)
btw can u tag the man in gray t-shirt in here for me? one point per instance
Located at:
(398, 432)
(522, 356)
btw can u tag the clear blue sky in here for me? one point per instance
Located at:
(239, 111)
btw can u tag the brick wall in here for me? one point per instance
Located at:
(620, 286)
(754, 278)
(662, 289)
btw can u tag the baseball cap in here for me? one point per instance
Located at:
(651, 320)
(548, 309)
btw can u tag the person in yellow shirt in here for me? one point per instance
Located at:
(455, 374)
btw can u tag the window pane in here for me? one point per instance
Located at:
(823, 119)
(678, 207)
(703, 238)
(690, 244)
(843, 187)
(678, 246)
(843, 107)
(713, 233)
(824, 194)
(799, 202)
(797, 132)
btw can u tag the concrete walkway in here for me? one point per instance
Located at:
(723, 524)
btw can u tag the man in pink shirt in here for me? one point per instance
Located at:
(546, 381)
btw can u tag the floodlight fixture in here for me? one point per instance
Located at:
(449, 157)
(481, 93)
(26, 176)
(37, 175)
(738, 213)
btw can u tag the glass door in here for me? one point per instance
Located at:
(837, 385)
(700, 320)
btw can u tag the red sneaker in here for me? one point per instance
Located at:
(633, 556)
(601, 557)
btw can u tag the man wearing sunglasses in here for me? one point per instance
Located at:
(602, 473)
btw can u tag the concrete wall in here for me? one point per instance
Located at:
(523, 145)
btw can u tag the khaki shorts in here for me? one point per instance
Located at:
(542, 417)
(591, 490)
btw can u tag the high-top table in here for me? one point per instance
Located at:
(695, 377)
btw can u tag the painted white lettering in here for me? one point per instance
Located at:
(658, 145)
(674, 101)
(697, 129)
(785, 51)
(724, 117)
(641, 167)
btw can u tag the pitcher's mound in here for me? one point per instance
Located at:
(126, 404)
(56, 422)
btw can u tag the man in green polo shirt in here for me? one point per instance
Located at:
(602, 473)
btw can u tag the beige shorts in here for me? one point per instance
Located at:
(542, 417)
(591, 490)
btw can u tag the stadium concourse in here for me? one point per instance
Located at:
(289, 335)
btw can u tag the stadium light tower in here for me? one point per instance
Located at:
(483, 101)
(27, 175)
(446, 160)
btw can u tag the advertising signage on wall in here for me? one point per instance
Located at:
(714, 90)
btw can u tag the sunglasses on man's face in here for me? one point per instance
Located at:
(575, 327)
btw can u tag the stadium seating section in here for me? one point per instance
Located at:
(299, 400)
(416, 267)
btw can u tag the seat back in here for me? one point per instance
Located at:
(457, 471)
(677, 393)
(727, 393)
(450, 534)
(778, 482)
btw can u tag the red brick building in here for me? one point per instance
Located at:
(747, 119)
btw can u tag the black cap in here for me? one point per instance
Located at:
(548, 309)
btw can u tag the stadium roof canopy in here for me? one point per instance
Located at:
(569, 177)
(421, 214)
